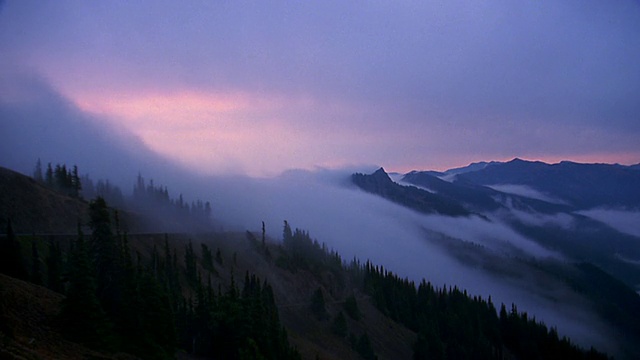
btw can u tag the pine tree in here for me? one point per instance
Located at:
(49, 176)
(106, 256)
(318, 305)
(364, 348)
(219, 256)
(11, 259)
(36, 270)
(351, 307)
(207, 258)
(190, 263)
(287, 236)
(83, 318)
(37, 173)
(75, 182)
(339, 325)
(54, 266)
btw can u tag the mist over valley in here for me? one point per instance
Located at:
(492, 235)
(319, 180)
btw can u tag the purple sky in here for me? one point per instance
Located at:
(259, 87)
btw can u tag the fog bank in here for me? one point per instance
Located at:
(363, 225)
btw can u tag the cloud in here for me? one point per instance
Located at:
(411, 85)
(526, 191)
(37, 122)
(624, 221)
(410, 244)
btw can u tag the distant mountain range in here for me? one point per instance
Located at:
(553, 204)
(586, 213)
(579, 186)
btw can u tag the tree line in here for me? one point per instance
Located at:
(117, 300)
(450, 324)
(146, 198)
(60, 178)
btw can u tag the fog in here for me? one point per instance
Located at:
(408, 243)
(38, 123)
(625, 221)
(526, 191)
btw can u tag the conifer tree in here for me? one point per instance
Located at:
(207, 258)
(339, 325)
(54, 266)
(318, 305)
(82, 315)
(49, 176)
(190, 263)
(351, 307)
(364, 348)
(287, 235)
(106, 256)
(75, 182)
(37, 173)
(36, 270)
(11, 259)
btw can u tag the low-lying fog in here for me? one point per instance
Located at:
(356, 223)
(625, 221)
(323, 202)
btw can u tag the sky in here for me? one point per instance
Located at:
(261, 87)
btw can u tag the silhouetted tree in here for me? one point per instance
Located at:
(207, 258)
(318, 307)
(106, 256)
(339, 325)
(82, 315)
(36, 270)
(351, 307)
(219, 256)
(190, 263)
(49, 176)
(76, 183)
(364, 348)
(54, 266)
(37, 173)
(11, 258)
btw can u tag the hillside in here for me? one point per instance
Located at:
(28, 328)
(420, 200)
(240, 295)
(330, 309)
(580, 185)
(35, 208)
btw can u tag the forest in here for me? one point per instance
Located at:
(154, 302)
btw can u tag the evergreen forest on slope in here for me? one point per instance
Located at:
(107, 292)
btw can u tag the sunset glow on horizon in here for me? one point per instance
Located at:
(246, 89)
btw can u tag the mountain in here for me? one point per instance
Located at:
(582, 186)
(545, 204)
(471, 167)
(417, 199)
